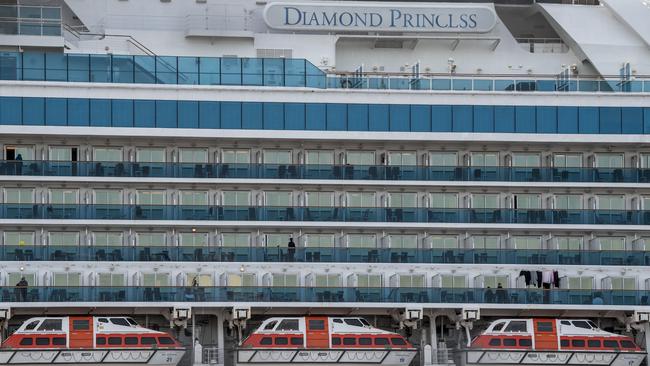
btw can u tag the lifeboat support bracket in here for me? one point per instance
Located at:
(5, 315)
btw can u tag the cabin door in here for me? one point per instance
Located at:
(545, 334)
(81, 332)
(317, 332)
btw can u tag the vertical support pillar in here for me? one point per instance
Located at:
(220, 338)
(646, 334)
(433, 339)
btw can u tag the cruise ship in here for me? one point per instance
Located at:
(262, 182)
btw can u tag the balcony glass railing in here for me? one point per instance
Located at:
(324, 255)
(106, 68)
(325, 294)
(30, 21)
(334, 172)
(335, 214)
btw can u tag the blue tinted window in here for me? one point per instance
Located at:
(483, 118)
(337, 117)
(421, 118)
(56, 66)
(273, 71)
(231, 72)
(525, 119)
(294, 116)
(504, 119)
(547, 119)
(251, 115)
(632, 120)
(100, 68)
(273, 116)
(188, 114)
(441, 118)
(462, 118)
(78, 112)
(166, 114)
(358, 117)
(610, 120)
(378, 117)
(209, 115)
(315, 116)
(400, 116)
(78, 67)
(56, 112)
(33, 66)
(252, 73)
(588, 119)
(230, 115)
(11, 111)
(144, 113)
(145, 69)
(122, 115)
(100, 112)
(646, 120)
(567, 119)
(33, 111)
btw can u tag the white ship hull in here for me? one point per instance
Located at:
(535, 358)
(270, 357)
(122, 357)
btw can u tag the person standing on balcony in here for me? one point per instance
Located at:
(291, 250)
(21, 289)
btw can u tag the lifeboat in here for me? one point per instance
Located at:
(551, 342)
(324, 341)
(78, 340)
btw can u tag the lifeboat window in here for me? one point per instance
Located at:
(516, 326)
(131, 340)
(27, 341)
(381, 341)
(354, 322)
(51, 324)
(165, 340)
(58, 341)
(593, 343)
(32, 325)
(398, 341)
(281, 341)
(81, 324)
(564, 343)
(610, 343)
(295, 341)
(577, 343)
(336, 341)
(593, 325)
(266, 341)
(544, 326)
(349, 341)
(102, 320)
(498, 327)
(340, 321)
(509, 342)
(101, 341)
(271, 325)
(581, 324)
(317, 324)
(365, 341)
(288, 324)
(147, 340)
(131, 321)
(565, 322)
(114, 341)
(627, 344)
(525, 342)
(42, 341)
(364, 322)
(120, 321)
(495, 342)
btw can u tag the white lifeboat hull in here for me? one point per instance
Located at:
(538, 358)
(326, 357)
(112, 357)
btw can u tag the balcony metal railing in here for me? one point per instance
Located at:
(323, 171)
(323, 255)
(279, 72)
(30, 20)
(323, 214)
(326, 294)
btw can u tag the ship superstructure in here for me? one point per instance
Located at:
(429, 167)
